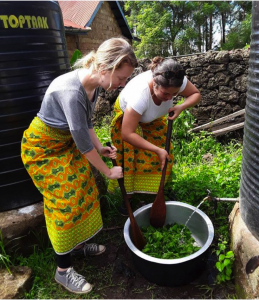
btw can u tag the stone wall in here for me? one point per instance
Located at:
(220, 76)
(104, 26)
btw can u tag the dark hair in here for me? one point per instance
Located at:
(167, 72)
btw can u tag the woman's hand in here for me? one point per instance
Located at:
(109, 152)
(193, 97)
(115, 173)
(177, 110)
(162, 155)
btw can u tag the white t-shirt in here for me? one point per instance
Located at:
(136, 95)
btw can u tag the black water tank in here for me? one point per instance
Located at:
(32, 53)
(249, 188)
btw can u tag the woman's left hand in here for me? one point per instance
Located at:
(193, 97)
(109, 152)
(177, 110)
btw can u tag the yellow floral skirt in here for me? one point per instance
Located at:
(142, 168)
(64, 177)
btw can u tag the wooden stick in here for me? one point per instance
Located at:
(137, 236)
(158, 209)
(229, 128)
(209, 125)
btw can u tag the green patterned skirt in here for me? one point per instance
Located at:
(64, 177)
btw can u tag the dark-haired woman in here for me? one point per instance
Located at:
(140, 123)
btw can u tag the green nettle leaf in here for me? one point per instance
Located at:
(222, 247)
(146, 250)
(229, 254)
(169, 242)
(228, 271)
(221, 257)
(157, 236)
(226, 262)
(222, 266)
(218, 266)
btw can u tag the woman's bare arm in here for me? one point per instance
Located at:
(95, 159)
(193, 97)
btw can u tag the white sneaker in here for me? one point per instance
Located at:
(73, 282)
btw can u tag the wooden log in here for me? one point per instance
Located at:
(209, 125)
(229, 128)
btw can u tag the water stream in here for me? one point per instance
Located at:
(192, 215)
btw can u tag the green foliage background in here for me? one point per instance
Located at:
(167, 28)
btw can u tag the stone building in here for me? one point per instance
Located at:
(89, 23)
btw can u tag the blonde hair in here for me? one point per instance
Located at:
(110, 55)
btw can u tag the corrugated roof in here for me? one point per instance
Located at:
(78, 12)
(82, 13)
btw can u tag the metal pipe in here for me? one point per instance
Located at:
(219, 199)
(228, 199)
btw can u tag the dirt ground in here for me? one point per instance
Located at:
(116, 277)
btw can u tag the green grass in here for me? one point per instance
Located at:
(192, 176)
(5, 261)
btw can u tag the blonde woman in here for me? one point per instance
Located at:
(57, 149)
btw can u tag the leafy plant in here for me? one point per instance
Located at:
(183, 123)
(220, 174)
(239, 36)
(103, 132)
(169, 242)
(4, 258)
(225, 262)
(43, 265)
(75, 56)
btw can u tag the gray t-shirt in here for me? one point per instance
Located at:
(66, 106)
